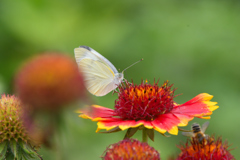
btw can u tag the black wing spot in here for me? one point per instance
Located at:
(86, 47)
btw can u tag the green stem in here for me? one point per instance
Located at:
(144, 135)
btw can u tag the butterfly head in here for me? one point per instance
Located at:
(119, 77)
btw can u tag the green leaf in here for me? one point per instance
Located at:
(26, 156)
(116, 129)
(3, 148)
(28, 152)
(13, 146)
(24, 147)
(19, 153)
(10, 156)
(34, 156)
(150, 133)
(131, 132)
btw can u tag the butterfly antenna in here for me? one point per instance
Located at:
(132, 65)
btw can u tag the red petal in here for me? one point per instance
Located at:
(166, 122)
(198, 106)
(123, 124)
(96, 112)
(184, 119)
(114, 122)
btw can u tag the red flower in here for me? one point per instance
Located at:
(131, 149)
(49, 81)
(150, 107)
(212, 150)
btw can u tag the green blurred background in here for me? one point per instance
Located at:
(193, 44)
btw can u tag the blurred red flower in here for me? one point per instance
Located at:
(131, 149)
(49, 81)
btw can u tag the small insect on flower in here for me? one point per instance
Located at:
(214, 149)
(198, 133)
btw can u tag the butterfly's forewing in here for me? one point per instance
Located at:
(87, 52)
(101, 76)
(84, 52)
(98, 76)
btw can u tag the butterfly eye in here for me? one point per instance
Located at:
(120, 77)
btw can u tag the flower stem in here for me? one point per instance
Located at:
(144, 135)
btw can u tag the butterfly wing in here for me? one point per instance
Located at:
(99, 78)
(87, 52)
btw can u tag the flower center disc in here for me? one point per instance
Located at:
(144, 101)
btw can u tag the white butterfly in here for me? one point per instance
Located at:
(101, 77)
